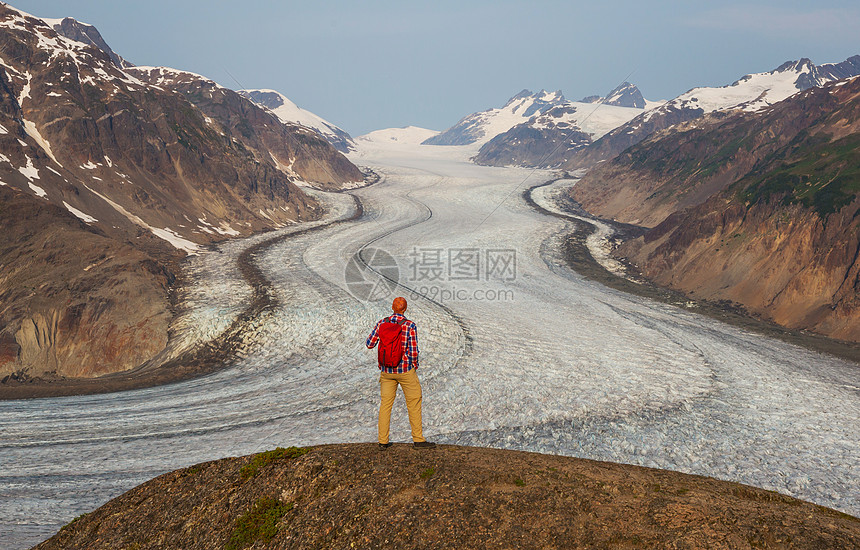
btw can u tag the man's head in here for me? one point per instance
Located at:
(399, 304)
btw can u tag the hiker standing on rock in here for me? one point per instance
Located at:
(397, 337)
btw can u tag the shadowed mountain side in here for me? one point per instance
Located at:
(353, 495)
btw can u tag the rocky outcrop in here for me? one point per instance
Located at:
(344, 496)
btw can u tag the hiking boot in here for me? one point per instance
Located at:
(385, 446)
(423, 445)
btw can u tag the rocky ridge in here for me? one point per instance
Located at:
(624, 95)
(290, 113)
(750, 93)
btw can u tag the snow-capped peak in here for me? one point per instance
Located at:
(539, 110)
(756, 91)
(290, 113)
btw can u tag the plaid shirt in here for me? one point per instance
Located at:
(410, 344)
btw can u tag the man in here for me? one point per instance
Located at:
(401, 369)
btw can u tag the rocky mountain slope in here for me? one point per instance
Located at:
(290, 113)
(138, 165)
(74, 301)
(522, 131)
(625, 95)
(760, 208)
(298, 151)
(343, 496)
(542, 129)
(750, 93)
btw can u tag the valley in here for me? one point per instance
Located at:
(625, 379)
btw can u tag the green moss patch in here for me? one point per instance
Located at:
(818, 173)
(262, 459)
(258, 523)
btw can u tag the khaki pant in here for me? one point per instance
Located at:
(411, 391)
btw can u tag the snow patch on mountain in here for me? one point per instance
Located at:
(290, 113)
(541, 110)
(409, 135)
(32, 131)
(756, 91)
(86, 218)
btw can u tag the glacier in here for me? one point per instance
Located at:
(560, 364)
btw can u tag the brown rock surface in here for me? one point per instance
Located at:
(74, 302)
(105, 180)
(781, 262)
(293, 148)
(343, 496)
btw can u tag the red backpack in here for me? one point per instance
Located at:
(391, 343)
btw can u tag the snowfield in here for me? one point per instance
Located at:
(522, 353)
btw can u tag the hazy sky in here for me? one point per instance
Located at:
(365, 65)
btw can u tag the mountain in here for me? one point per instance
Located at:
(539, 142)
(541, 130)
(86, 34)
(750, 93)
(354, 496)
(760, 207)
(135, 176)
(483, 126)
(290, 113)
(299, 151)
(409, 135)
(625, 95)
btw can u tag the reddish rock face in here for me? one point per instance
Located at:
(75, 303)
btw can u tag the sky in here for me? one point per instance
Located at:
(380, 64)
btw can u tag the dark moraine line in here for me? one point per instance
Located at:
(412, 293)
(579, 258)
(204, 358)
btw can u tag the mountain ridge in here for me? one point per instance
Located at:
(751, 92)
(141, 173)
(290, 113)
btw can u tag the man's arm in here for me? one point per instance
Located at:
(412, 345)
(374, 337)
